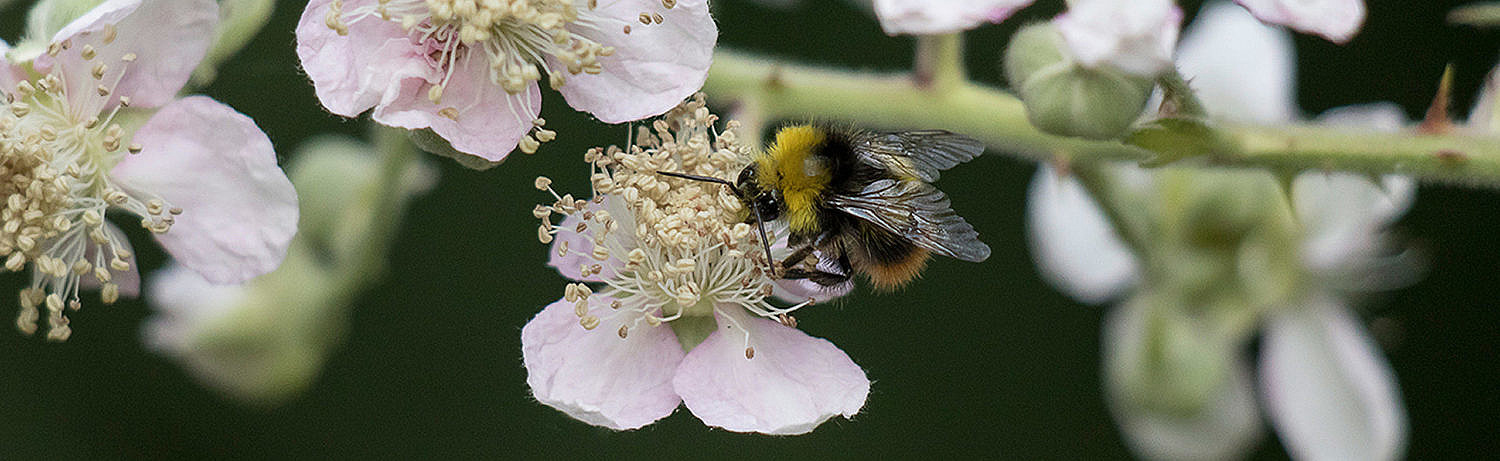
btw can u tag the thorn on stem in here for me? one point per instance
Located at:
(1437, 120)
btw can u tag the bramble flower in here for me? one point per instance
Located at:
(1178, 383)
(923, 17)
(469, 70)
(200, 176)
(682, 314)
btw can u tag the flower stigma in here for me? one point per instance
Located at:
(664, 248)
(58, 143)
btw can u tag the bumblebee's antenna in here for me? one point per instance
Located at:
(700, 178)
(760, 223)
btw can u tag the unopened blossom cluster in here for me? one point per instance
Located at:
(469, 70)
(200, 176)
(672, 302)
(1178, 379)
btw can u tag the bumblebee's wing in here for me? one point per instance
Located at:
(918, 212)
(920, 154)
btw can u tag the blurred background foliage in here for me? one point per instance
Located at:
(974, 360)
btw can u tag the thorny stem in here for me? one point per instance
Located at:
(787, 90)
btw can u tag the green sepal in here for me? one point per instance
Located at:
(1174, 139)
(429, 141)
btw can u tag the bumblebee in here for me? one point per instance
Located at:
(862, 200)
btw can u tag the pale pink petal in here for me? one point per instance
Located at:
(654, 67)
(1328, 391)
(167, 37)
(1146, 390)
(10, 74)
(595, 375)
(240, 211)
(129, 280)
(351, 73)
(926, 17)
(571, 251)
(1335, 20)
(1135, 37)
(1239, 68)
(794, 382)
(1074, 245)
(475, 116)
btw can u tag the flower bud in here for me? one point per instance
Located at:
(261, 342)
(1163, 357)
(1065, 98)
(335, 177)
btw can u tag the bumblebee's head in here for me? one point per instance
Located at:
(755, 196)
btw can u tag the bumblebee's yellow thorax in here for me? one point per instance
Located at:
(793, 167)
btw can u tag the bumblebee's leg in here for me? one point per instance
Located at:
(797, 257)
(826, 279)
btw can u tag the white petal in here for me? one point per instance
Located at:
(185, 304)
(1382, 116)
(595, 375)
(1335, 20)
(1345, 215)
(927, 17)
(1225, 423)
(240, 211)
(1136, 37)
(654, 67)
(1326, 387)
(1073, 244)
(1241, 69)
(793, 383)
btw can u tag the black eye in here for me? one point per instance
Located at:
(770, 206)
(746, 178)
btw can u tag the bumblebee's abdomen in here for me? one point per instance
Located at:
(887, 259)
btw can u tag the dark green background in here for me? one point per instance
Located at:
(974, 360)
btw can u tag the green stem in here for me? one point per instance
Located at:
(785, 90)
(940, 62)
(388, 199)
